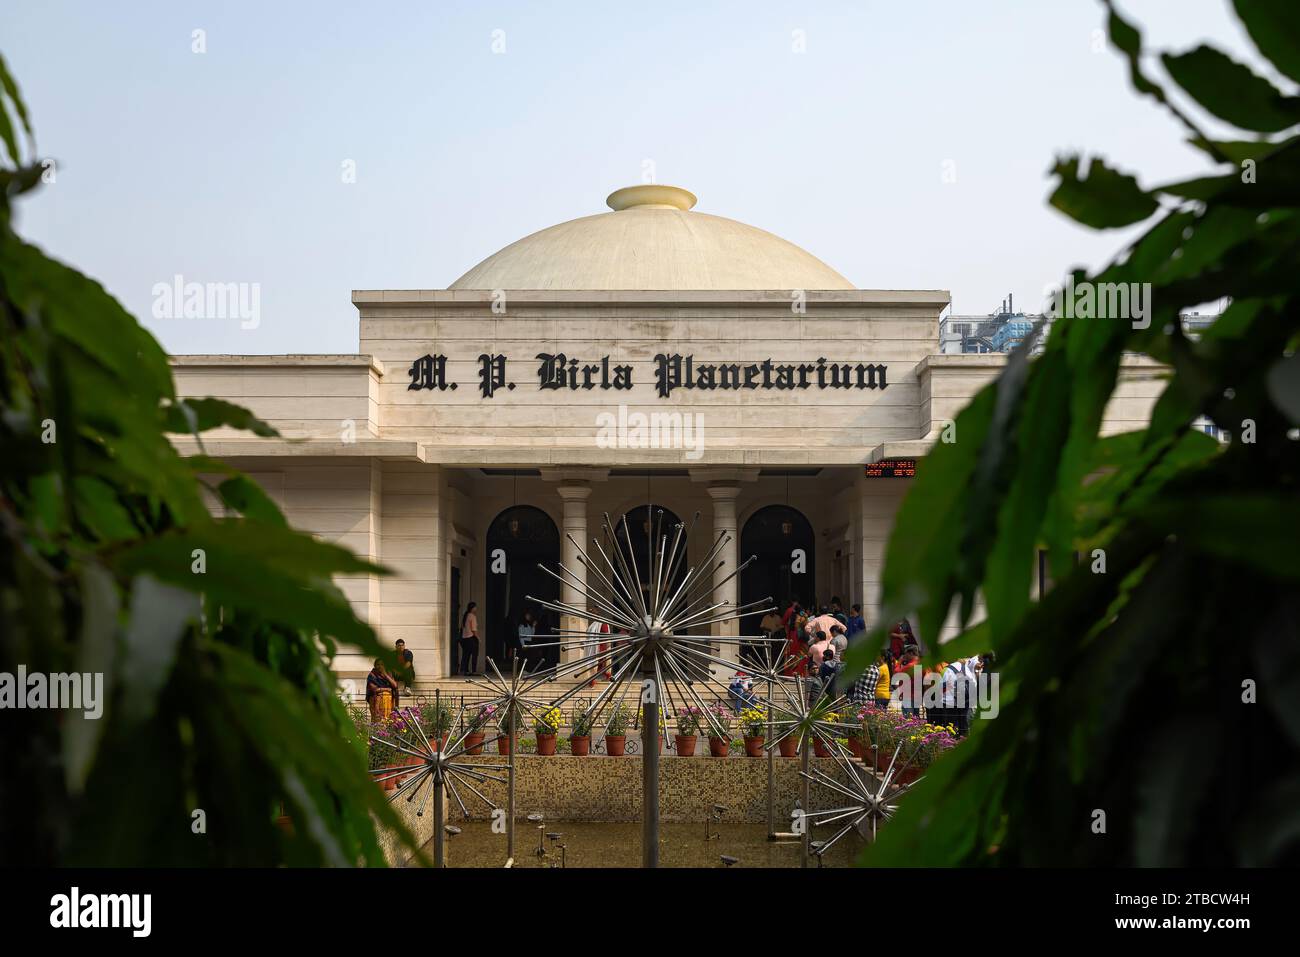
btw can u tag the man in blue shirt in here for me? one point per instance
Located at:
(857, 623)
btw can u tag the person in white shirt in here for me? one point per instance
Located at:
(527, 628)
(469, 640)
(598, 643)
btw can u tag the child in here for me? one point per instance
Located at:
(829, 672)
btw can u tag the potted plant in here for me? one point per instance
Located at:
(511, 716)
(401, 727)
(547, 727)
(722, 715)
(688, 731)
(822, 747)
(789, 745)
(616, 732)
(434, 720)
(857, 742)
(753, 725)
(925, 744)
(580, 739)
(878, 739)
(382, 755)
(474, 736)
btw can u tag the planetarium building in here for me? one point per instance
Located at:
(643, 363)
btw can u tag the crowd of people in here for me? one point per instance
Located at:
(813, 643)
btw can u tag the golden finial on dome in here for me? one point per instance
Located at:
(650, 195)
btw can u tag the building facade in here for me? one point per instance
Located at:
(651, 363)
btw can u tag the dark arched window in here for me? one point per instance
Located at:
(641, 524)
(518, 540)
(779, 535)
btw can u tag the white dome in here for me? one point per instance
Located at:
(652, 241)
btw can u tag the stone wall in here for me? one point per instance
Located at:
(396, 853)
(601, 788)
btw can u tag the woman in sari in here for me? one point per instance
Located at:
(381, 692)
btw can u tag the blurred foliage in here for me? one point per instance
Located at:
(1123, 691)
(219, 692)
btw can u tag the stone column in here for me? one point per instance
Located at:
(724, 520)
(574, 525)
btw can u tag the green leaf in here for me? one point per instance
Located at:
(10, 88)
(1174, 775)
(275, 573)
(96, 654)
(1043, 430)
(249, 499)
(1235, 151)
(1274, 25)
(1272, 824)
(1104, 199)
(159, 617)
(1277, 658)
(100, 510)
(1283, 379)
(1257, 529)
(925, 544)
(1232, 91)
(192, 416)
(306, 753)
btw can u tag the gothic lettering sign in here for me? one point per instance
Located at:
(559, 372)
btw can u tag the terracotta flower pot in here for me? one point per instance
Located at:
(580, 744)
(546, 744)
(754, 746)
(685, 745)
(855, 747)
(474, 742)
(821, 748)
(615, 744)
(908, 775)
(718, 747)
(503, 745)
(409, 761)
(789, 746)
(869, 756)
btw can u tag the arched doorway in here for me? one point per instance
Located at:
(517, 540)
(783, 540)
(642, 524)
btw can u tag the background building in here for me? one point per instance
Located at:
(1000, 331)
(647, 361)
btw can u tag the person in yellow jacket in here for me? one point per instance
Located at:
(882, 684)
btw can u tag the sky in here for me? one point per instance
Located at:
(906, 144)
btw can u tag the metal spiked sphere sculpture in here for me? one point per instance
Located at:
(801, 711)
(514, 699)
(871, 798)
(436, 771)
(654, 647)
(811, 717)
(774, 667)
